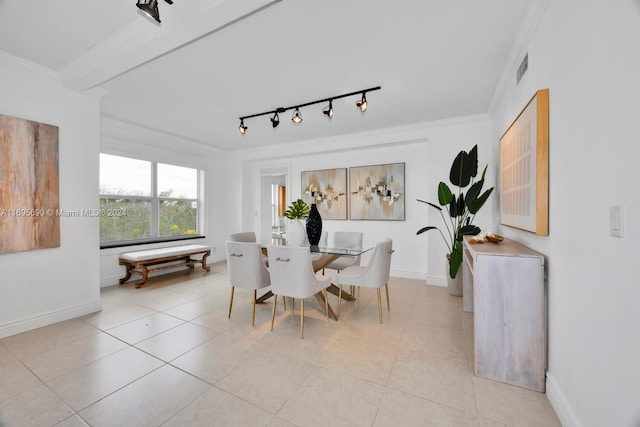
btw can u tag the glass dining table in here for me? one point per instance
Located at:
(321, 256)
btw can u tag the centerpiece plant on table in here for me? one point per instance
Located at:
(460, 208)
(295, 212)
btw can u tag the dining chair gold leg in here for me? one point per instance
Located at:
(301, 318)
(284, 301)
(273, 310)
(231, 301)
(339, 300)
(326, 303)
(293, 304)
(386, 288)
(253, 308)
(379, 305)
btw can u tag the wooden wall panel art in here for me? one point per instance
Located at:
(29, 185)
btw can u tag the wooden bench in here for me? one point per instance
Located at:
(145, 262)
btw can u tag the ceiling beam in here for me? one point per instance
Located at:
(143, 41)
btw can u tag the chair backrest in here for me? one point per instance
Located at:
(324, 238)
(246, 236)
(376, 272)
(245, 265)
(291, 271)
(347, 239)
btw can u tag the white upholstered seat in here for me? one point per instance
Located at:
(246, 270)
(346, 239)
(292, 275)
(374, 275)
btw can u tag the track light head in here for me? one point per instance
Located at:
(362, 103)
(275, 120)
(297, 117)
(242, 128)
(328, 110)
(150, 8)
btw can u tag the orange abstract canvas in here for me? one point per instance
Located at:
(29, 185)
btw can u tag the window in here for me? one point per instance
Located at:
(144, 200)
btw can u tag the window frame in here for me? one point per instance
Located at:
(155, 200)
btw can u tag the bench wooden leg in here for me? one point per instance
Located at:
(128, 273)
(204, 261)
(142, 282)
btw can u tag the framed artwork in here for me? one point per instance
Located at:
(29, 185)
(524, 168)
(377, 192)
(328, 188)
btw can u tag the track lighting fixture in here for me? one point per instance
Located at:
(275, 120)
(362, 104)
(328, 110)
(297, 115)
(150, 8)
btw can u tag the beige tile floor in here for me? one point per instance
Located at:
(167, 355)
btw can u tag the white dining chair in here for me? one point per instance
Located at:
(374, 275)
(292, 276)
(323, 244)
(246, 270)
(346, 240)
(245, 236)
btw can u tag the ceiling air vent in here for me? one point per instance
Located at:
(524, 65)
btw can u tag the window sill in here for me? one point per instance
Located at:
(111, 245)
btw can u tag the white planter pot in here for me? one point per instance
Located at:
(296, 232)
(454, 285)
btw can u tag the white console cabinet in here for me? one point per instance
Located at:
(503, 284)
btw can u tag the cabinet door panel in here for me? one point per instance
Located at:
(509, 319)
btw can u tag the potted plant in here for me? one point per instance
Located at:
(461, 209)
(296, 211)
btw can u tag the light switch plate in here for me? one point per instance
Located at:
(616, 221)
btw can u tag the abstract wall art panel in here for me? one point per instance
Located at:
(524, 168)
(377, 192)
(328, 188)
(29, 185)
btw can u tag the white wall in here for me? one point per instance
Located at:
(123, 139)
(427, 151)
(41, 287)
(586, 54)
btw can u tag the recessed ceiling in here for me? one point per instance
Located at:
(434, 60)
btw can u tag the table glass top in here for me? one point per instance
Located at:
(337, 251)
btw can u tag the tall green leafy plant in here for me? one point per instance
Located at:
(460, 208)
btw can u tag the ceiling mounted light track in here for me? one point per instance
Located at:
(150, 8)
(297, 115)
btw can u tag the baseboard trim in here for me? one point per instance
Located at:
(437, 281)
(560, 403)
(405, 274)
(30, 323)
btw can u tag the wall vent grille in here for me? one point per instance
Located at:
(524, 65)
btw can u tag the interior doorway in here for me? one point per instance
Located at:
(272, 204)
